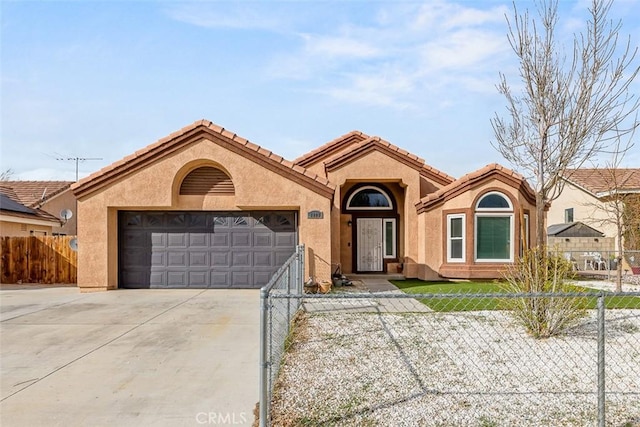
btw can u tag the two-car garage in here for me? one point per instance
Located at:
(203, 249)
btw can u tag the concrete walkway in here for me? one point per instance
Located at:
(128, 357)
(365, 285)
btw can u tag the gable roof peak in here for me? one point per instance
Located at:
(467, 181)
(331, 148)
(185, 136)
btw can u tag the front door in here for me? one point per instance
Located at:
(369, 249)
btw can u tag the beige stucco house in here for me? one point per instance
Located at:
(585, 197)
(37, 208)
(204, 207)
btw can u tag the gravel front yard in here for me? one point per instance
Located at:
(454, 369)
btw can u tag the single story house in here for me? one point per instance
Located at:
(204, 207)
(29, 208)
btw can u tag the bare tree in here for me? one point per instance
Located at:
(615, 202)
(572, 106)
(6, 175)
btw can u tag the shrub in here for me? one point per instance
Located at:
(539, 272)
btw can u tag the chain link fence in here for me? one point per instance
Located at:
(277, 310)
(394, 359)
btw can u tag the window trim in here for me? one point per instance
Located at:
(369, 208)
(568, 212)
(394, 238)
(462, 259)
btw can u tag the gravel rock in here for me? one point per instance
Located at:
(454, 369)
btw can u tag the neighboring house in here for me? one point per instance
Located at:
(36, 207)
(204, 207)
(585, 196)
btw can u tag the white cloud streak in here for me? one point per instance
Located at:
(392, 60)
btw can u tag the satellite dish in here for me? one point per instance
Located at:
(66, 214)
(73, 244)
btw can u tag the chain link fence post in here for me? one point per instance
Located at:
(601, 362)
(264, 364)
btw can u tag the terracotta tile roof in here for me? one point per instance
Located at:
(36, 193)
(471, 179)
(376, 143)
(601, 181)
(190, 133)
(330, 148)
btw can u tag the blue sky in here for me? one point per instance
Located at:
(104, 79)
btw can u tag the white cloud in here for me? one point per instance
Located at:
(227, 15)
(336, 46)
(401, 53)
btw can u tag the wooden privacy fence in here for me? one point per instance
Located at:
(36, 259)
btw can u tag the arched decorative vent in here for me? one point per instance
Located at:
(207, 180)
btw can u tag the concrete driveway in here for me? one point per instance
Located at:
(128, 357)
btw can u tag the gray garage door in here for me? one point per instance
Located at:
(203, 249)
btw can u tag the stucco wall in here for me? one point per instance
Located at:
(404, 183)
(65, 200)
(435, 250)
(9, 228)
(156, 187)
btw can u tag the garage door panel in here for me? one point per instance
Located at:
(198, 259)
(177, 259)
(198, 279)
(280, 257)
(176, 240)
(199, 240)
(220, 279)
(158, 279)
(263, 239)
(263, 259)
(159, 259)
(240, 259)
(241, 239)
(203, 249)
(219, 240)
(158, 240)
(241, 279)
(262, 276)
(135, 257)
(220, 259)
(139, 279)
(285, 240)
(136, 238)
(177, 279)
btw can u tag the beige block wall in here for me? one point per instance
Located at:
(155, 187)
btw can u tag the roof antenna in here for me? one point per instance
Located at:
(79, 159)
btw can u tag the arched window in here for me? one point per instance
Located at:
(207, 180)
(494, 201)
(494, 228)
(369, 198)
